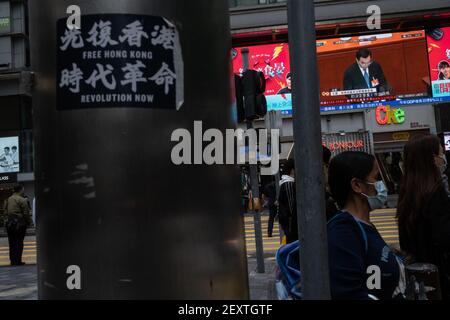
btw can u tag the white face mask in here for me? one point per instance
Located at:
(378, 201)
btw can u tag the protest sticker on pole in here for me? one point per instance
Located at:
(118, 60)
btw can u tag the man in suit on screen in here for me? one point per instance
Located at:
(365, 73)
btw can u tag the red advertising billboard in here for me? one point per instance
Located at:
(272, 60)
(439, 57)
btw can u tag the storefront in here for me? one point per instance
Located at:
(16, 125)
(392, 128)
(345, 132)
(342, 142)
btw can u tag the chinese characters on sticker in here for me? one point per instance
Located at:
(117, 61)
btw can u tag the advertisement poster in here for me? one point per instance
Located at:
(9, 155)
(439, 57)
(273, 61)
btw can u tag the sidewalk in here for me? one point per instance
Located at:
(18, 283)
(262, 285)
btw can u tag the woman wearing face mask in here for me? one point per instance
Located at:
(354, 243)
(423, 211)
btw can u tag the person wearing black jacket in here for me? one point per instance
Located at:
(18, 218)
(287, 203)
(354, 243)
(271, 194)
(365, 73)
(287, 200)
(423, 211)
(288, 88)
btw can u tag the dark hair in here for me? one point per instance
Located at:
(289, 166)
(363, 53)
(420, 181)
(343, 168)
(14, 148)
(326, 155)
(6, 148)
(18, 188)
(442, 64)
(288, 75)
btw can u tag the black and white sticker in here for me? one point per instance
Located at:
(119, 60)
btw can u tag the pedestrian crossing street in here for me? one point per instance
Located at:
(28, 256)
(271, 245)
(384, 220)
(386, 224)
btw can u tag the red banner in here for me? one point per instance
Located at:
(438, 51)
(272, 60)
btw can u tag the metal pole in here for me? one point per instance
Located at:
(277, 178)
(308, 151)
(257, 219)
(275, 122)
(107, 188)
(255, 192)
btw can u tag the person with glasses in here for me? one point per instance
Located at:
(423, 210)
(355, 247)
(365, 73)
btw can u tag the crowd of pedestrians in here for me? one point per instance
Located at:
(355, 188)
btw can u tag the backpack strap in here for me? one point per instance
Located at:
(366, 242)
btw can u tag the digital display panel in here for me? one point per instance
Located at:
(439, 57)
(391, 69)
(9, 155)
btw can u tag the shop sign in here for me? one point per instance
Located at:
(415, 125)
(401, 136)
(8, 178)
(386, 116)
(5, 22)
(345, 145)
(5, 25)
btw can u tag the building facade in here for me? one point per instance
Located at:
(16, 124)
(362, 128)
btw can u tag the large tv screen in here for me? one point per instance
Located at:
(397, 71)
(439, 56)
(447, 141)
(9, 155)
(362, 71)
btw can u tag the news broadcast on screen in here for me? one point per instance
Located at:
(403, 68)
